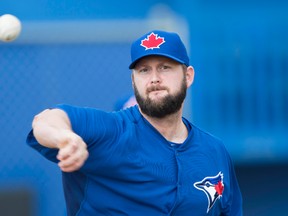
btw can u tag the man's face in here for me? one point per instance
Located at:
(159, 86)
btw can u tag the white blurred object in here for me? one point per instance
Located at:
(10, 27)
(130, 102)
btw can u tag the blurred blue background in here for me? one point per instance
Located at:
(77, 52)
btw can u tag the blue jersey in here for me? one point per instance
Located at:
(133, 170)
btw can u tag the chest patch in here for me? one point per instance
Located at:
(213, 187)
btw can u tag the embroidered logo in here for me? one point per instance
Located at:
(213, 187)
(152, 41)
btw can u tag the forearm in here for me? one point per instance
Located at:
(49, 126)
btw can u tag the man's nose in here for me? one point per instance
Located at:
(155, 77)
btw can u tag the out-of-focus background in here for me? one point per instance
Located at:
(78, 52)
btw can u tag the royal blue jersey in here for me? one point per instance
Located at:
(133, 170)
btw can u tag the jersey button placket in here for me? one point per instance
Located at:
(178, 184)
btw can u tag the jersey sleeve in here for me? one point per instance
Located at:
(92, 125)
(48, 153)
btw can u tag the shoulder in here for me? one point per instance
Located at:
(203, 134)
(131, 114)
(207, 140)
(200, 134)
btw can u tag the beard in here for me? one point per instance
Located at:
(168, 105)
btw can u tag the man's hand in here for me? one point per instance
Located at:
(72, 151)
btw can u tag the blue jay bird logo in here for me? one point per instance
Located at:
(213, 187)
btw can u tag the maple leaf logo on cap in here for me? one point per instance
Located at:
(152, 41)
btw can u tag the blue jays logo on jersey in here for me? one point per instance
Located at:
(213, 187)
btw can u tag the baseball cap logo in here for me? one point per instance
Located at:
(152, 41)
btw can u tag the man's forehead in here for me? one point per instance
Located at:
(155, 59)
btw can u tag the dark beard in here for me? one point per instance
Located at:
(170, 104)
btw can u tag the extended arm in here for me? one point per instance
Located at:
(52, 129)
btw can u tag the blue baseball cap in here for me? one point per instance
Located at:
(160, 43)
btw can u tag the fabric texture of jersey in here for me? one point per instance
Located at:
(133, 170)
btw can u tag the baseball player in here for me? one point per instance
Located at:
(146, 159)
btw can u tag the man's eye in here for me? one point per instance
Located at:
(143, 70)
(164, 67)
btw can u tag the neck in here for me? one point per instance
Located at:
(171, 127)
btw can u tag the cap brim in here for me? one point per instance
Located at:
(132, 65)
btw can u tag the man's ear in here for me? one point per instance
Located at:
(132, 79)
(189, 76)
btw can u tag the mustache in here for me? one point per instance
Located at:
(155, 88)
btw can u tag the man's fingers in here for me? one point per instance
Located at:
(74, 161)
(66, 151)
(71, 160)
(70, 166)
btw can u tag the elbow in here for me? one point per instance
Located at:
(37, 118)
(34, 122)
